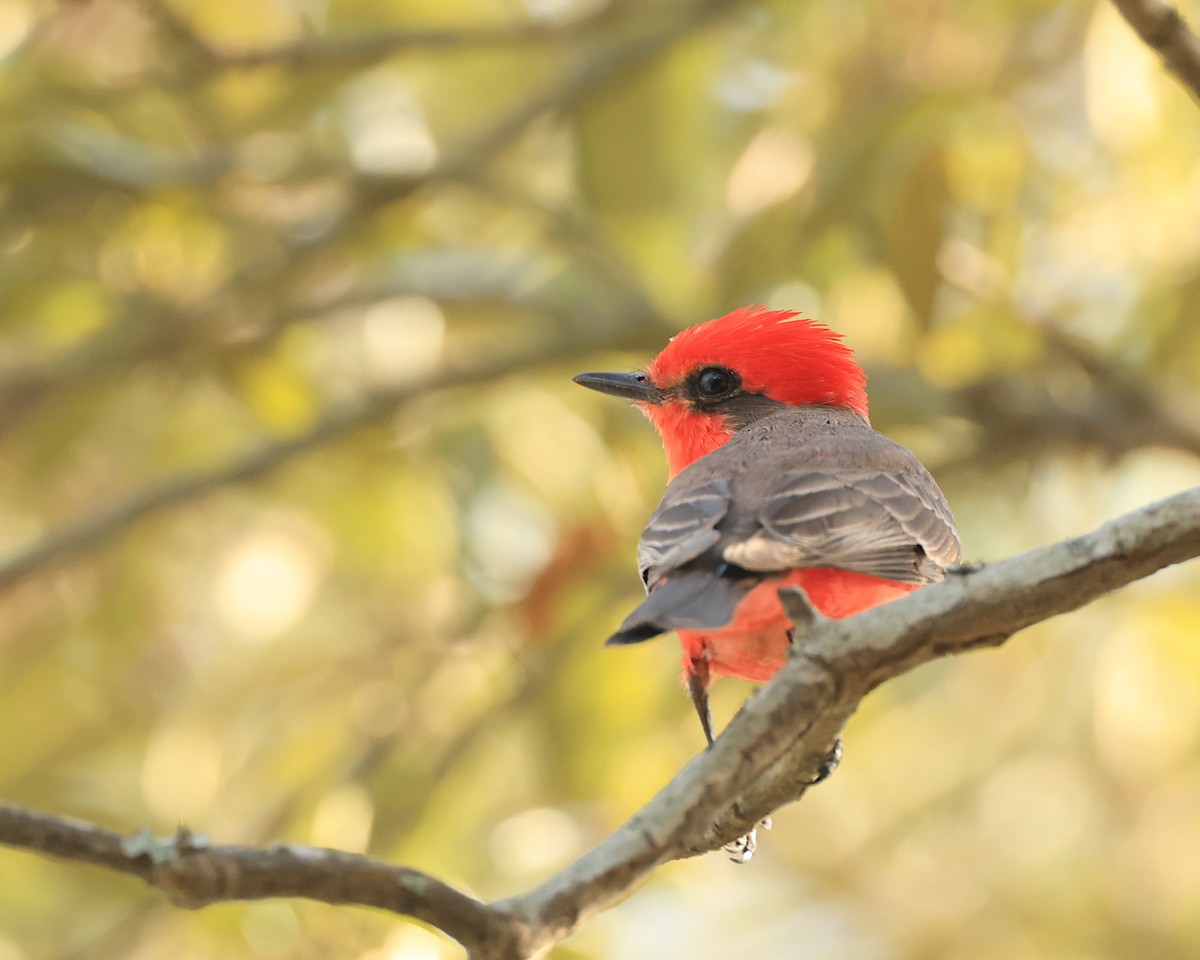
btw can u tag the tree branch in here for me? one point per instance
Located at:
(1164, 30)
(194, 874)
(760, 761)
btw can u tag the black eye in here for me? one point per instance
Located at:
(715, 382)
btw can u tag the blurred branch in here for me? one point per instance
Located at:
(1164, 30)
(364, 49)
(110, 353)
(370, 194)
(1118, 413)
(152, 331)
(576, 231)
(112, 350)
(335, 424)
(1151, 418)
(1123, 410)
(576, 83)
(760, 761)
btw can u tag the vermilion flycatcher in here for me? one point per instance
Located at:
(777, 480)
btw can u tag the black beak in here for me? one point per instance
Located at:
(632, 386)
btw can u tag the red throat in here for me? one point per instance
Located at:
(687, 434)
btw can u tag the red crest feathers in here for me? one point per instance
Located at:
(777, 353)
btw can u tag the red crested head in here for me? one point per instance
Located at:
(716, 377)
(777, 353)
(773, 354)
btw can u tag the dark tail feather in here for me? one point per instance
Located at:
(696, 600)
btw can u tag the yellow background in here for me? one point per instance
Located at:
(222, 223)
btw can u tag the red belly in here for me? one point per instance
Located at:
(755, 644)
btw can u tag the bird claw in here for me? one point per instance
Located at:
(829, 763)
(742, 849)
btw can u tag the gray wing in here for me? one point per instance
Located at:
(891, 525)
(682, 528)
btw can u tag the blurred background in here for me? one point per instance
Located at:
(305, 534)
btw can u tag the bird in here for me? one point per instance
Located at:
(776, 480)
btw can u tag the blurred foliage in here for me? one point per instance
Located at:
(229, 225)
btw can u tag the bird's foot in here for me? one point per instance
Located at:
(742, 849)
(964, 569)
(829, 763)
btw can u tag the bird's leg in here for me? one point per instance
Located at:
(697, 684)
(742, 849)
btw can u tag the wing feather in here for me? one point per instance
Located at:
(682, 528)
(805, 487)
(892, 525)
